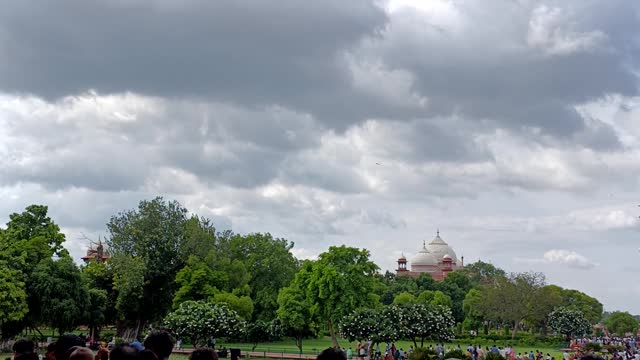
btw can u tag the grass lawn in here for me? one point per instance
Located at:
(314, 346)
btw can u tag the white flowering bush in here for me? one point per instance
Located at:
(200, 321)
(569, 322)
(422, 322)
(369, 324)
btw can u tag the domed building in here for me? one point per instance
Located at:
(436, 258)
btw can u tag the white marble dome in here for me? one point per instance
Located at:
(438, 248)
(424, 257)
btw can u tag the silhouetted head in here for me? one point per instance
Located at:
(65, 343)
(23, 346)
(81, 353)
(123, 352)
(203, 354)
(160, 342)
(331, 354)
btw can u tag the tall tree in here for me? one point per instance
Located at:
(13, 296)
(29, 238)
(294, 308)
(149, 243)
(513, 299)
(271, 266)
(589, 306)
(456, 285)
(481, 272)
(59, 295)
(620, 323)
(340, 282)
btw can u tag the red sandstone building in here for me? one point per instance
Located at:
(436, 258)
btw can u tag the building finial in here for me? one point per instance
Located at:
(438, 232)
(424, 244)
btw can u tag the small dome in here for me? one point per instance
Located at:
(402, 257)
(446, 256)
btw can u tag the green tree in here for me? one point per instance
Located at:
(481, 272)
(513, 299)
(13, 296)
(201, 320)
(31, 237)
(404, 298)
(620, 323)
(59, 294)
(589, 306)
(197, 281)
(257, 332)
(243, 305)
(294, 309)
(341, 281)
(435, 297)
(456, 285)
(97, 307)
(271, 266)
(99, 276)
(569, 322)
(151, 243)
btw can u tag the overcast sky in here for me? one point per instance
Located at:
(513, 126)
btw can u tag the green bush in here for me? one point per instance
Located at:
(422, 353)
(493, 356)
(592, 347)
(457, 354)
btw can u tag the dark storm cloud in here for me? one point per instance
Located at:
(522, 64)
(249, 52)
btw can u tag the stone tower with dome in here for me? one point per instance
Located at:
(436, 258)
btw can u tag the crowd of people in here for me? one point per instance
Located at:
(158, 345)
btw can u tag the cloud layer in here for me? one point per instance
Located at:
(510, 125)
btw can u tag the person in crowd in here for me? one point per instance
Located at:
(102, 354)
(137, 345)
(331, 354)
(51, 352)
(350, 354)
(124, 352)
(161, 343)
(81, 353)
(65, 343)
(147, 354)
(203, 354)
(23, 346)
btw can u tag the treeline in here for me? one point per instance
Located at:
(171, 268)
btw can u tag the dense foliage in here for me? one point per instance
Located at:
(170, 267)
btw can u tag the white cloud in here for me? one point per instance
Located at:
(569, 258)
(561, 257)
(550, 30)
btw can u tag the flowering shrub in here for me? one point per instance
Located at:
(569, 322)
(201, 321)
